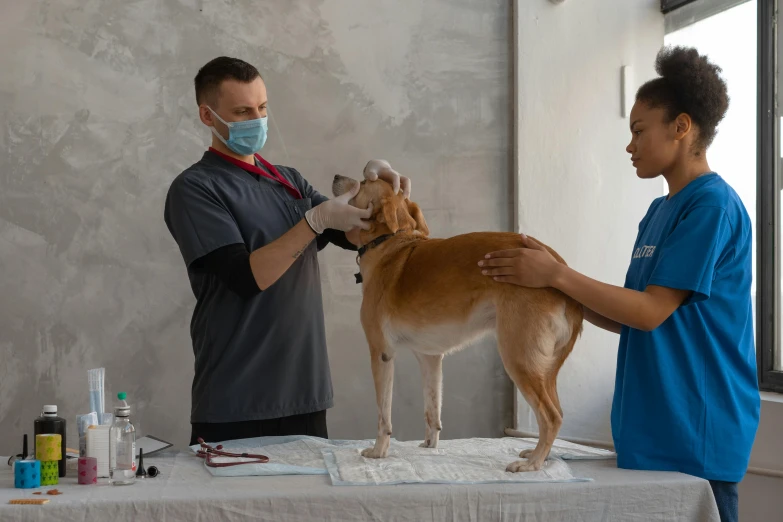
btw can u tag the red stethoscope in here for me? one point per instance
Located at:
(207, 452)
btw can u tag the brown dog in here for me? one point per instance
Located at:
(429, 295)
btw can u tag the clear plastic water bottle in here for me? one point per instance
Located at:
(122, 446)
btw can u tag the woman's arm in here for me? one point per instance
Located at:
(602, 322)
(533, 266)
(639, 310)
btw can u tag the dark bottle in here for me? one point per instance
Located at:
(49, 423)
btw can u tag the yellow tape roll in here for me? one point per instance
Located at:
(48, 447)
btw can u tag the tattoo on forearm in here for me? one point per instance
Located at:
(301, 251)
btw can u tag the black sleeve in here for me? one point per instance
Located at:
(336, 237)
(231, 264)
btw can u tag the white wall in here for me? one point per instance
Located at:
(578, 192)
(577, 189)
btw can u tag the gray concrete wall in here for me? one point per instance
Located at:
(97, 116)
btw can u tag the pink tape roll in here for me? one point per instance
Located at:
(88, 470)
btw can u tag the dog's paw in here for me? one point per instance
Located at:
(524, 465)
(431, 443)
(372, 453)
(525, 454)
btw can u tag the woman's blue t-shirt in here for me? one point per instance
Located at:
(686, 394)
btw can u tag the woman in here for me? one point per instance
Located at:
(686, 394)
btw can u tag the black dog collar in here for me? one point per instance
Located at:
(369, 246)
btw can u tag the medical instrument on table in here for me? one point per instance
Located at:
(95, 378)
(141, 472)
(50, 423)
(19, 456)
(207, 452)
(150, 472)
(122, 446)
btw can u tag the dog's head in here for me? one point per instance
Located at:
(391, 213)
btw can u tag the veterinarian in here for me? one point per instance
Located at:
(686, 394)
(249, 233)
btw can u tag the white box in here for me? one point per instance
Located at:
(98, 447)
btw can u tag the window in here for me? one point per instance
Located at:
(770, 117)
(746, 151)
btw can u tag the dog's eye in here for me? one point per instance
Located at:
(362, 183)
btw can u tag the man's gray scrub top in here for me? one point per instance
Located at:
(263, 357)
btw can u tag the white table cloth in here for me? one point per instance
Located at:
(186, 491)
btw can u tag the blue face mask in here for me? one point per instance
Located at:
(244, 137)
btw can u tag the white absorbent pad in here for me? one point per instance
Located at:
(464, 461)
(303, 455)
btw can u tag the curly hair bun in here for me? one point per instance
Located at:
(689, 83)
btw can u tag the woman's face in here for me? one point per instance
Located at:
(655, 143)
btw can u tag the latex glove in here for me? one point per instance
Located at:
(338, 214)
(379, 168)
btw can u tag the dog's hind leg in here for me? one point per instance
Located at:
(553, 392)
(382, 361)
(561, 354)
(527, 351)
(432, 381)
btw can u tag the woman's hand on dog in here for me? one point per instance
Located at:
(531, 266)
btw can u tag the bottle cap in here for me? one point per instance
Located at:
(50, 409)
(123, 410)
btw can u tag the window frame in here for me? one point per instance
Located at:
(670, 5)
(769, 175)
(682, 13)
(768, 223)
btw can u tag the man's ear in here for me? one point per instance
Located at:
(389, 215)
(418, 217)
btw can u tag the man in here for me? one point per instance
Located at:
(245, 229)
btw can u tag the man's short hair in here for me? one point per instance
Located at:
(215, 72)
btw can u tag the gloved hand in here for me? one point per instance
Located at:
(379, 168)
(338, 214)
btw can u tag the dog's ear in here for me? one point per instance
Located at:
(418, 217)
(388, 214)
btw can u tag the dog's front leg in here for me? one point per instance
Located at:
(432, 381)
(383, 376)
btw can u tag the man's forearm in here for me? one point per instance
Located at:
(270, 262)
